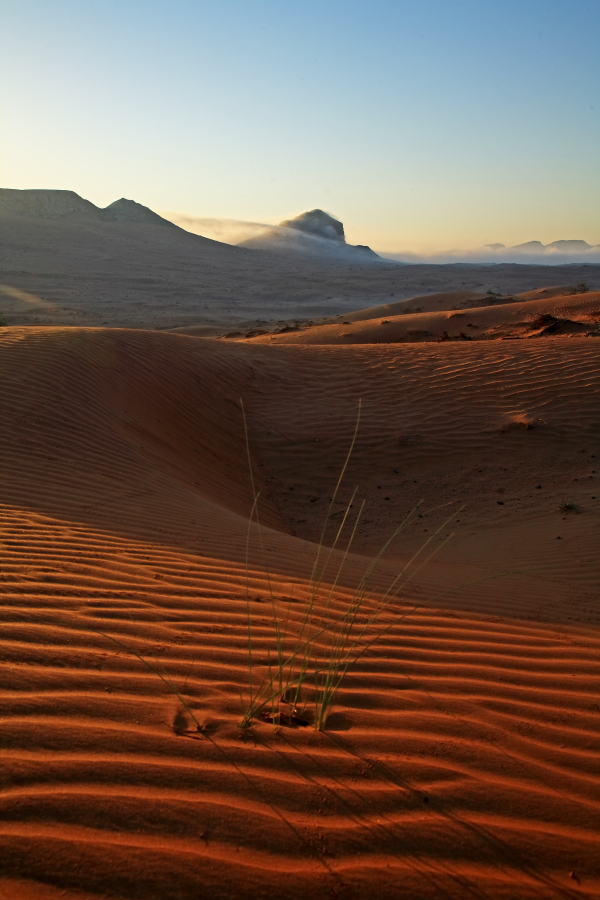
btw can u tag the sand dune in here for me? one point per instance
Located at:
(446, 300)
(461, 758)
(460, 315)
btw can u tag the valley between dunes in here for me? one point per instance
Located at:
(461, 756)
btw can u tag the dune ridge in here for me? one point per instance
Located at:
(461, 758)
(460, 315)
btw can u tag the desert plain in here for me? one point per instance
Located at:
(175, 416)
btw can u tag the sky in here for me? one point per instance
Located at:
(422, 126)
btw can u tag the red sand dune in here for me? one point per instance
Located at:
(458, 315)
(462, 755)
(461, 299)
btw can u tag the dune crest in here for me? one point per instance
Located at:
(458, 316)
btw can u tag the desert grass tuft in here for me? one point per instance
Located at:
(312, 653)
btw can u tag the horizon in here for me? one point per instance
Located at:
(420, 128)
(235, 232)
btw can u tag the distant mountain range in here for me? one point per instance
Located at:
(314, 234)
(573, 246)
(311, 234)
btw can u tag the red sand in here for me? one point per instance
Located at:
(462, 755)
(458, 315)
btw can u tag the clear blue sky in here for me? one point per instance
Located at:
(429, 124)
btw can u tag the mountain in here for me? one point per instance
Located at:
(569, 246)
(529, 247)
(318, 223)
(41, 204)
(313, 233)
(129, 211)
(48, 204)
(64, 260)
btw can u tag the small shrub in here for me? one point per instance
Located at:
(581, 288)
(570, 506)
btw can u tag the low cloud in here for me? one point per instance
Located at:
(547, 256)
(274, 238)
(236, 231)
(228, 231)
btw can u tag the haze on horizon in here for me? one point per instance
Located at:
(421, 127)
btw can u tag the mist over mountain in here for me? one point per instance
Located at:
(577, 246)
(571, 246)
(65, 261)
(313, 233)
(316, 233)
(318, 223)
(562, 252)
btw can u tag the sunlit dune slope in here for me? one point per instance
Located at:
(447, 300)
(461, 757)
(459, 318)
(423, 303)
